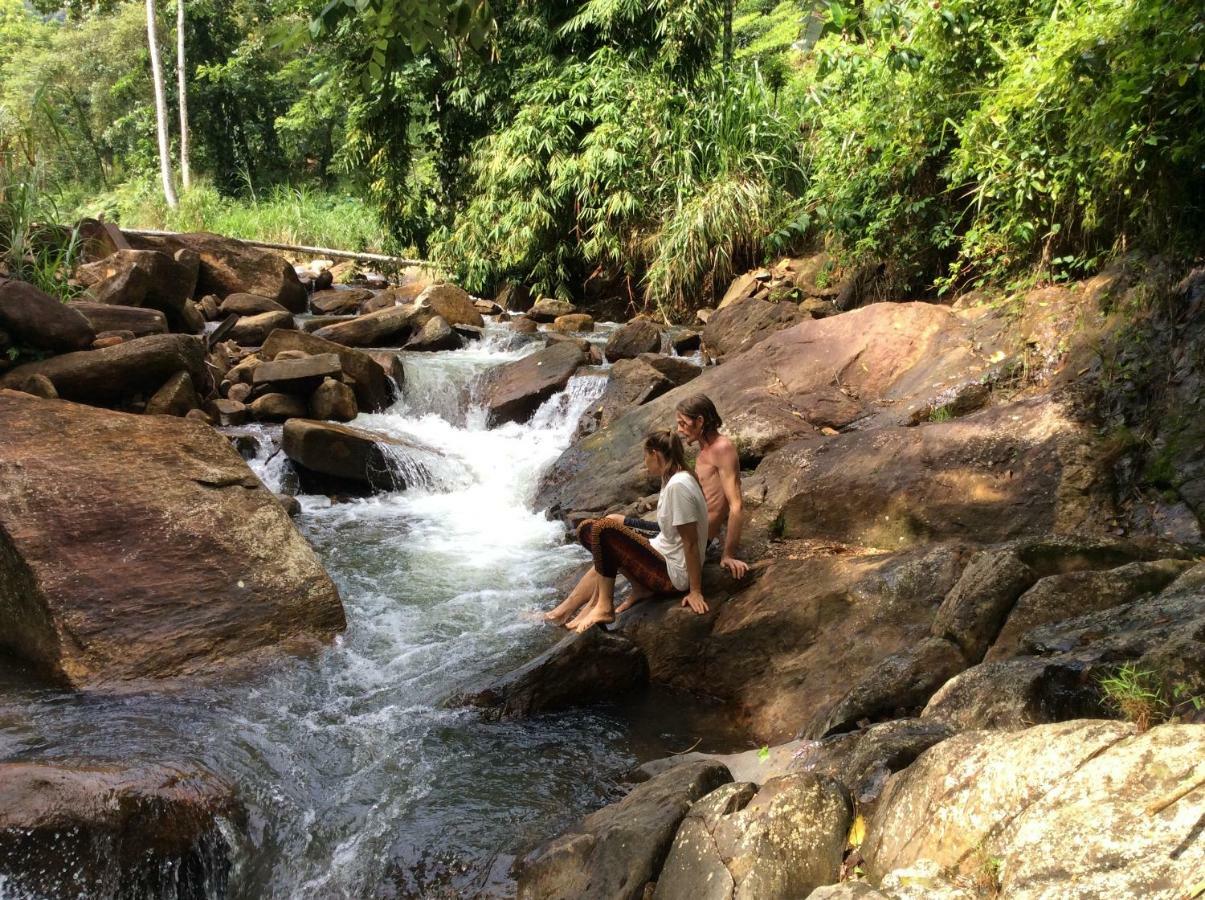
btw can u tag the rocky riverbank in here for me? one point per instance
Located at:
(964, 520)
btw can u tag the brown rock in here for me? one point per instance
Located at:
(126, 287)
(121, 825)
(630, 340)
(109, 375)
(169, 285)
(211, 308)
(435, 335)
(738, 327)
(352, 457)
(109, 340)
(575, 322)
(248, 305)
(686, 342)
(36, 386)
(252, 331)
(377, 329)
(631, 383)
(742, 288)
(296, 376)
(338, 302)
(374, 393)
(176, 398)
(277, 408)
(548, 309)
(98, 239)
(676, 369)
(143, 546)
(523, 325)
(452, 304)
(36, 320)
(199, 415)
(102, 318)
(229, 412)
(228, 266)
(514, 297)
(515, 390)
(240, 392)
(333, 400)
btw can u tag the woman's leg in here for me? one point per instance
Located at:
(615, 547)
(583, 592)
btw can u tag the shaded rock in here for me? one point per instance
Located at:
(488, 307)
(848, 890)
(742, 287)
(450, 303)
(228, 266)
(752, 766)
(143, 546)
(514, 297)
(229, 412)
(556, 337)
(248, 305)
(523, 325)
(581, 668)
(1062, 809)
(817, 308)
(36, 386)
(277, 408)
(574, 322)
(1066, 596)
(166, 285)
(210, 307)
(111, 339)
(104, 317)
(373, 391)
(358, 459)
(782, 843)
(631, 383)
(738, 327)
(309, 326)
(677, 370)
(686, 342)
(391, 362)
(336, 302)
(105, 376)
(786, 650)
(333, 400)
(515, 390)
(199, 415)
(125, 830)
(38, 321)
(296, 376)
(898, 685)
(435, 335)
(251, 331)
(98, 239)
(175, 398)
(377, 329)
(548, 309)
(630, 340)
(872, 367)
(613, 853)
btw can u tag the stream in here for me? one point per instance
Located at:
(357, 780)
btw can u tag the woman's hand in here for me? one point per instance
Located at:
(696, 602)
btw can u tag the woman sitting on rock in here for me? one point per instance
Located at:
(671, 562)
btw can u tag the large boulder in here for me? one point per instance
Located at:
(580, 668)
(450, 303)
(1084, 808)
(166, 284)
(339, 301)
(615, 852)
(631, 382)
(102, 829)
(786, 650)
(296, 376)
(139, 366)
(384, 328)
(177, 397)
(630, 340)
(435, 335)
(515, 390)
(228, 266)
(873, 366)
(353, 459)
(253, 330)
(142, 546)
(742, 324)
(549, 309)
(248, 305)
(107, 317)
(35, 320)
(779, 842)
(373, 390)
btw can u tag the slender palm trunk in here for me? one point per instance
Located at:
(728, 34)
(165, 159)
(185, 175)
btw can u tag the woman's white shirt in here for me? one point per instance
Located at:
(681, 501)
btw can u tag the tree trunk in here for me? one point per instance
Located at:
(185, 175)
(728, 5)
(165, 159)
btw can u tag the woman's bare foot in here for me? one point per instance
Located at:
(582, 613)
(597, 614)
(639, 592)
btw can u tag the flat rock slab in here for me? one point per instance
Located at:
(383, 328)
(143, 547)
(115, 373)
(613, 853)
(34, 319)
(374, 393)
(515, 391)
(109, 317)
(89, 829)
(357, 458)
(297, 375)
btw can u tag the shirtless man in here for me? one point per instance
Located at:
(718, 469)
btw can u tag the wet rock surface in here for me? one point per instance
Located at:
(339, 457)
(515, 390)
(36, 320)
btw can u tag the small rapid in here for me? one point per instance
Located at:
(359, 781)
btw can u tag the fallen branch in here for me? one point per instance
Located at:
(1195, 779)
(303, 249)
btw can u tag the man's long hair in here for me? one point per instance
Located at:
(700, 406)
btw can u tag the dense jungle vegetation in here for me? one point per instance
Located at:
(645, 150)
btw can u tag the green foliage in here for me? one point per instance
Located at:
(31, 248)
(1136, 695)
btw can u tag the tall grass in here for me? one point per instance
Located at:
(284, 214)
(32, 247)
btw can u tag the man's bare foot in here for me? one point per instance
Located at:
(595, 615)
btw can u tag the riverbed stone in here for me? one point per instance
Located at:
(37, 321)
(338, 301)
(167, 285)
(352, 458)
(784, 841)
(631, 382)
(676, 369)
(143, 547)
(107, 317)
(451, 303)
(374, 393)
(744, 323)
(580, 668)
(383, 328)
(630, 340)
(614, 853)
(334, 401)
(109, 375)
(296, 376)
(275, 407)
(78, 828)
(37, 386)
(523, 325)
(435, 335)
(548, 309)
(176, 398)
(572, 323)
(514, 391)
(248, 305)
(252, 331)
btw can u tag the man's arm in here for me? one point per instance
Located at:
(729, 469)
(694, 569)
